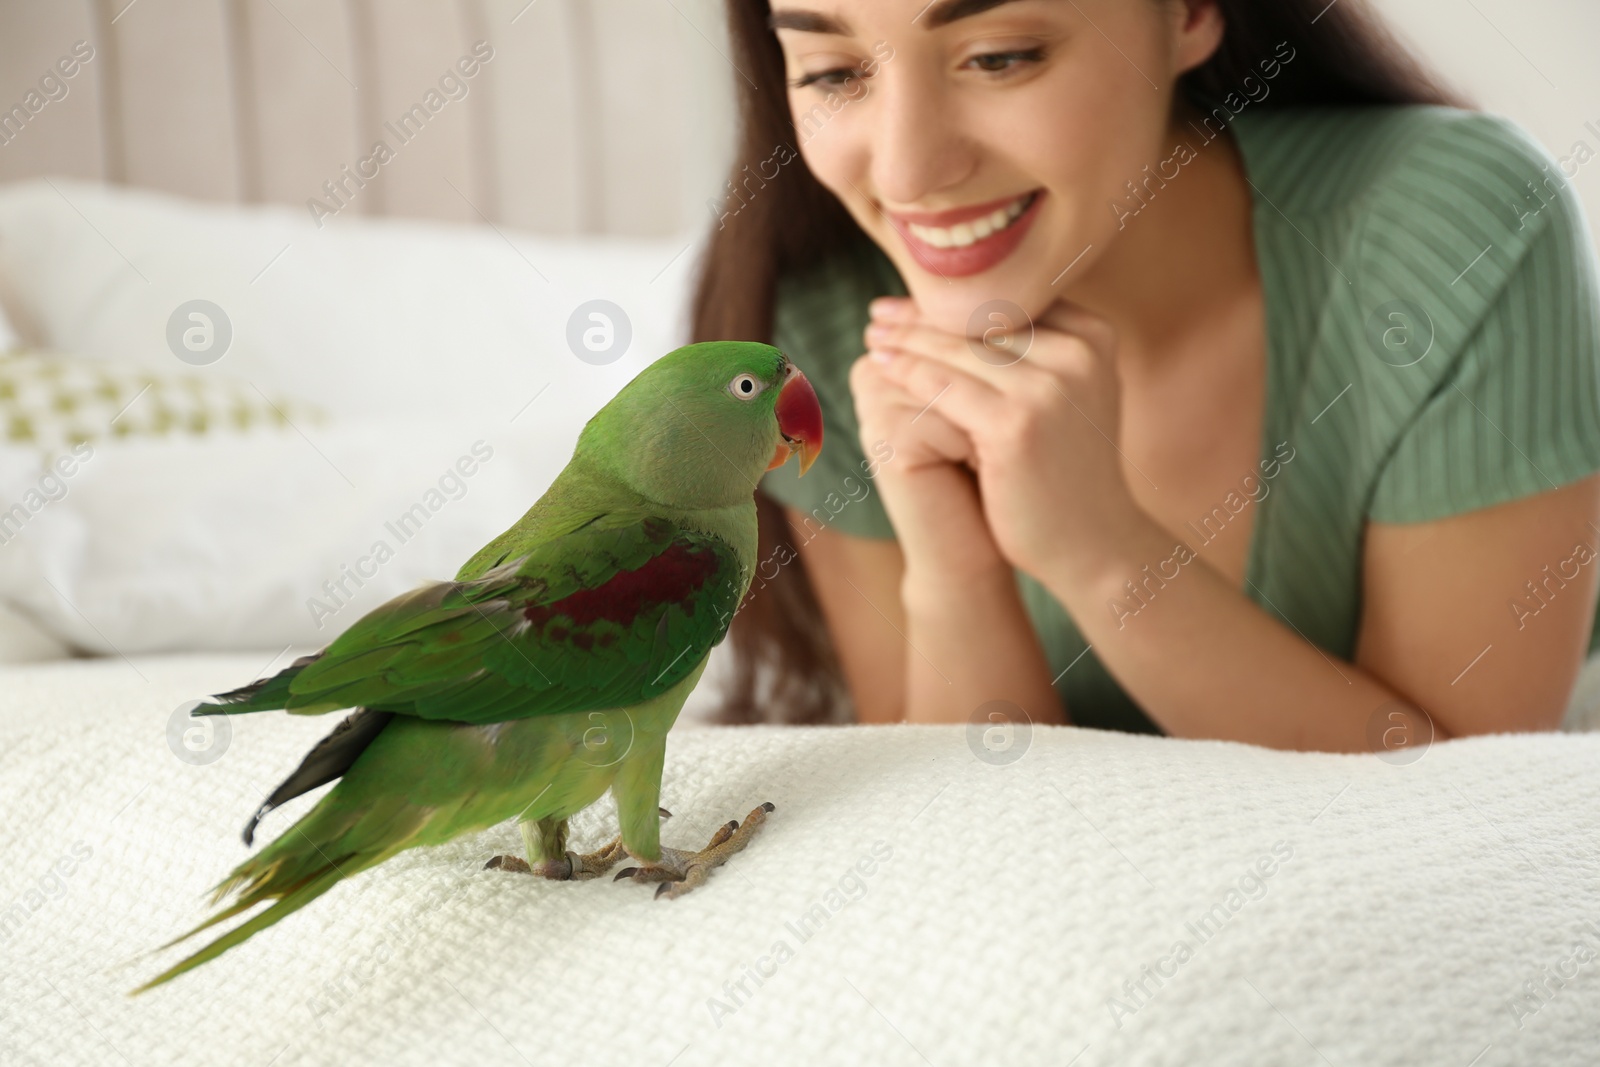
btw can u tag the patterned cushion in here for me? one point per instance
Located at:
(51, 401)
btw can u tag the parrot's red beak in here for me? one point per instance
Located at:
(799, 420)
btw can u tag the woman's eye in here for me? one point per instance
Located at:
(836, 78)
(745, 386)
(998, 62)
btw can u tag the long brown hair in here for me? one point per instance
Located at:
(785, 668)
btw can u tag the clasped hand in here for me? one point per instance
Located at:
(1038, 434)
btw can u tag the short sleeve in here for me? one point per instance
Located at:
(1515, 409)
(818, 322)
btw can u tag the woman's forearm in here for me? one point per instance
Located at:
(971, 643)
(1245, 675)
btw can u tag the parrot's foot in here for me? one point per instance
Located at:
(680, 871)
(571, 867)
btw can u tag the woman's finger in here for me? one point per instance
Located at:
(888, 401)
(897, 325)
(969, 355)
(968, 401)
(1015, 361)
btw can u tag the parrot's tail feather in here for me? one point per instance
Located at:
(364, 820)
(338, 838)
(258, 880)
(329, 759)
(290, 902)
(227, 913)
(263, 694)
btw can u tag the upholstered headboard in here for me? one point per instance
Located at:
(593, 116)
(571, 116)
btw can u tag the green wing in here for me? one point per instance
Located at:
(604, 617)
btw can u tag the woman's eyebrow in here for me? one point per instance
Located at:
(944, 12)
(806, 22)
(936, 14)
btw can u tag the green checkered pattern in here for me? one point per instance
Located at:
(50, 401)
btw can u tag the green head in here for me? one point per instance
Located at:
(697, 427)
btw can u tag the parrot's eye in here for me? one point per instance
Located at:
(745, 386)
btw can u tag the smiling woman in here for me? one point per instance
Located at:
(1198, 231)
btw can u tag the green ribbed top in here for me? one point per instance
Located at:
(1433, 347)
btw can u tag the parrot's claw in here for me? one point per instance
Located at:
(680, 871)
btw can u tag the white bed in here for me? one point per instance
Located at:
(959, 911)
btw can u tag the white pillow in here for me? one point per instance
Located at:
(418, 339)
(366, 317)
(22, 641)
(262, 541)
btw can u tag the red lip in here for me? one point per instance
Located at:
(955, 214)
(974, 258)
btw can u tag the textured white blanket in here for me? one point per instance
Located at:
(1104, 899)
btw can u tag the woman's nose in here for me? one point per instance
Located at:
(917, 145)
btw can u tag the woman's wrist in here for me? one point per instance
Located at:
(939, 522)
(1099, 570)
(975, 644)
(938, 590)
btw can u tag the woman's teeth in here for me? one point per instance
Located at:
(965, 233)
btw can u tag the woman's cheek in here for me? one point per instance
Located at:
(827, 140)
(1095, 124)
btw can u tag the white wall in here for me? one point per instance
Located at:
(1535, 61)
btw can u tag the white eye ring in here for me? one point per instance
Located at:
(746, 386)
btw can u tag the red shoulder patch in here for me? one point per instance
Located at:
(672, 577)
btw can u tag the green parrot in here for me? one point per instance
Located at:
(554, 664)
